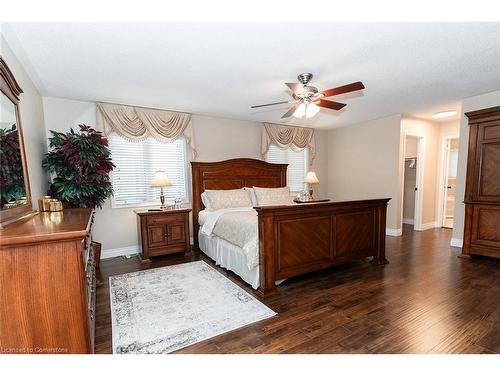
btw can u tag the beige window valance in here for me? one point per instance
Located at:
(284, 137)
(137, 123)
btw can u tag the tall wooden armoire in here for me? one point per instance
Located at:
(482, 187)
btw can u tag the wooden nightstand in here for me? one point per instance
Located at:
(164, 232)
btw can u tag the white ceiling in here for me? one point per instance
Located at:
(223, 69)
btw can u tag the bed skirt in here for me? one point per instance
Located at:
(230, 257)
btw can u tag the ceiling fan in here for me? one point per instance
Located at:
(307, 100)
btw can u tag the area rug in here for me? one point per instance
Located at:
(165, 309)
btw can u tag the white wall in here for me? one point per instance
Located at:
(473, 103)
(216, 139)
(363, 163)
(411, 147)
(62, 114)
(449, 129)
(31, 112)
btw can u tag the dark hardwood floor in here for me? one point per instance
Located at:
(425, 301)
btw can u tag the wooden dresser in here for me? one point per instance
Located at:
(482, 188)
(47, 284)
(164, 232)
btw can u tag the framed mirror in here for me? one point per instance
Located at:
(15, 195)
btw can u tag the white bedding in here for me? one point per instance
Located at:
(202, 217)
(238, 226)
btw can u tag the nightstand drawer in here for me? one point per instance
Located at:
(165, 219)
(166, 250)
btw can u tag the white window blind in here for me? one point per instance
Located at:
(297, 164)
(136, 164)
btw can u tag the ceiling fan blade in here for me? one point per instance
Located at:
(344, 89)
(265, 105)
(330, 105)
(290, 112)
(296, 88)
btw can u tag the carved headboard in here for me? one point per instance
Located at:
(232, 174)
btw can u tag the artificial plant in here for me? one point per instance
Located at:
(11, 168)
(80, 164)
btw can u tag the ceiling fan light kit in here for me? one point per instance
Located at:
(308, 100)
(306, 110)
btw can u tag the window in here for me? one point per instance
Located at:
(297, 164)
(136, 164)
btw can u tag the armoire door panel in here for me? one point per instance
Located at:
(486, 225)
(489, 172)
(491, 130)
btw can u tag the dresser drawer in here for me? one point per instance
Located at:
(164, 219)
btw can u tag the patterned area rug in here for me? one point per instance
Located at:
(165, 309)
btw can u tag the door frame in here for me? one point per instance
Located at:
(419, 193)
(443, 173)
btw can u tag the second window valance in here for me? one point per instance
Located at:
(138, 123)
(285, 136)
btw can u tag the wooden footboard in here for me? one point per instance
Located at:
(297, 239)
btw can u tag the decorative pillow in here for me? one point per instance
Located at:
(219, 199)
(270, 196)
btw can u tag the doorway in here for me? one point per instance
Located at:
(449, 181)
(412, 181)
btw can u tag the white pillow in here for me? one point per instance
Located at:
(252, 195)
(270, 196)
(219, 199)
(204, 200)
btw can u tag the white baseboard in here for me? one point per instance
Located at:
(120, 251)
(393, 232)
(408, 221)
(430, 225)
(457, 242)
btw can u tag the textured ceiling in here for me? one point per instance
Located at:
(223, 69)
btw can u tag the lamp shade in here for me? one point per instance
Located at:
(161, 180)
(311, 178)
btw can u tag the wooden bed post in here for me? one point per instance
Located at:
(267, 259)
(197, 204)
(379, 258)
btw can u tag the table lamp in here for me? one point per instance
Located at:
(311, 179)
(160, 180)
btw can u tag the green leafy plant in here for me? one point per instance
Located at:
(81, 163)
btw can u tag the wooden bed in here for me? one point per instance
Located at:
(296, 239)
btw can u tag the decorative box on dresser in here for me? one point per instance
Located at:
(482, 187)
(164, 232)
(47, 283)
